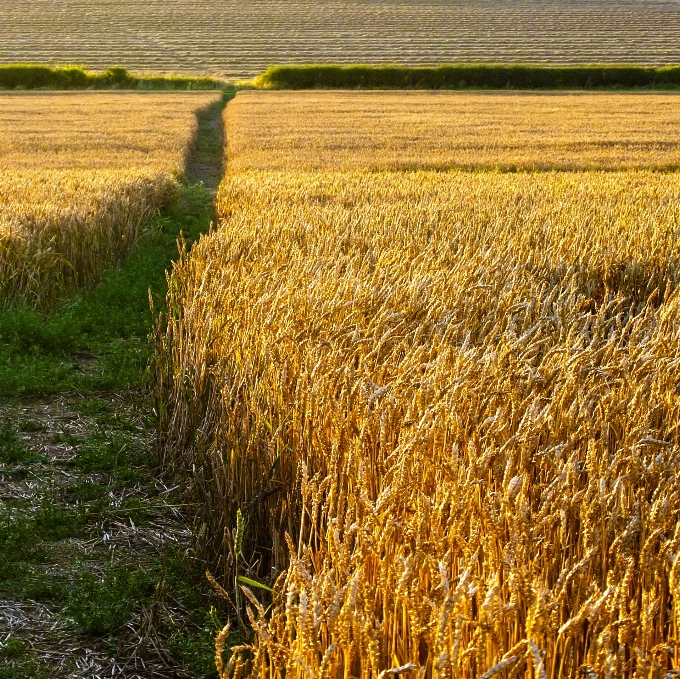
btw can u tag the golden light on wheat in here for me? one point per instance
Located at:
(444, 130)
(80, 175)
(448, 407)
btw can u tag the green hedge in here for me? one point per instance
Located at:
(33, 76)
(357, 76)
(467, 76)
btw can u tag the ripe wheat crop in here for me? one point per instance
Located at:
(79, 176)
(447, 407)
(443, 130)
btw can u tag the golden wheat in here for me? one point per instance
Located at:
(79, 176)
(448, 408)
(442, 130)
(462, 392)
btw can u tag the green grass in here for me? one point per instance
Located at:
(98, 602)
(99, 605)
(12, 450)
(97, 340)
(468, 76)
(38, 76)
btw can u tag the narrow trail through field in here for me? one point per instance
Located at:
(97, 573)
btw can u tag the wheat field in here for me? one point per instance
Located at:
(445, 406)
(237, 40)
(80, 175)
(444, 130)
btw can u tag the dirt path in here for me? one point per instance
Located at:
(97, 573)
(91, 527)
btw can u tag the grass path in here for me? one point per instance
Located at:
(97, 572)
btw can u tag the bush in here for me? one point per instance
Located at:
(467, 76)
(32, 76)
(36, 76)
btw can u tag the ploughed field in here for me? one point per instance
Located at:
(446, 404)
(238, 39)
(79, 176)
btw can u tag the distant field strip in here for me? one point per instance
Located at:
(238, 39)
(79, 176)
(408, 130)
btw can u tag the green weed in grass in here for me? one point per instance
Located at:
(32, 426)
(83, 492)
(12, 648)
(16, 660)
(19, 547)
(117, 454)
(93, 406)
(12, 451)
(101, 605)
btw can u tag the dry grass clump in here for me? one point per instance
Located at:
(79, 176)
(449, 404)
(443, 130)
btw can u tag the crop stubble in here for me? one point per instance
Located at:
(448, 403)
(237, 39)
(79, 176)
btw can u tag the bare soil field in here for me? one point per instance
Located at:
(237, 39)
